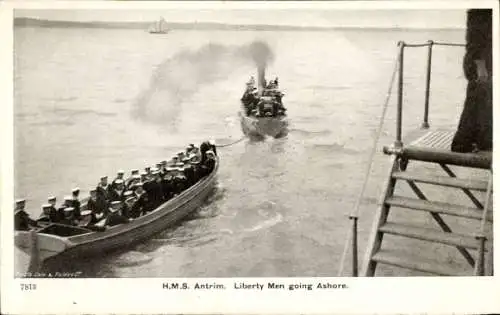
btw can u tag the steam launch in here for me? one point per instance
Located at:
(263, 113)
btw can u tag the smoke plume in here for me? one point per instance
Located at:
(176, 79)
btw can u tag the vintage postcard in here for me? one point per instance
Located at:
(249, 157)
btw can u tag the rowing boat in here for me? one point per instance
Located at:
(64, 242)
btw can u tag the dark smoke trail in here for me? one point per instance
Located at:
(176, 79)
(261, 55)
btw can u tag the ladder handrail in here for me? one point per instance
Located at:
(399, 118)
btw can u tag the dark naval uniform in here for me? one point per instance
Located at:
(75, 203)
(141, 206)
(22, 221)
(476, 121)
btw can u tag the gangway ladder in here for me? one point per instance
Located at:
(400, 157)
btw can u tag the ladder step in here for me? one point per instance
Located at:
(427, 234)
(438, 207)
(443, 181)
(413, 263)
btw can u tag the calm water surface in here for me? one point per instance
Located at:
(89, 102)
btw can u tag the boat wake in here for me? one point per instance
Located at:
(266, 224)
(132, 258)
(310, 134)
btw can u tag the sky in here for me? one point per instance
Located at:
(453, 18)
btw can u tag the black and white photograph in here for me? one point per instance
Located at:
(252, 142)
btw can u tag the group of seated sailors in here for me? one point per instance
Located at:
(269, 104)
(126, 198)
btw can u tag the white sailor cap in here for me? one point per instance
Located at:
(179, 164)
(46, 208)
(85, 213)
(170, 169)
(120, 172)
(139, 184)
(128, 193)
(155, 172)
(75, 190)
(69, 209)
(20, 201)
(119, 181)
(68, 198)
(136, 176)
(115, 203)
(211, 141)
(144, 174)
(210, 152)
(51, 198)
(104, 177)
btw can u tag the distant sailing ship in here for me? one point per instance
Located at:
(160, 27)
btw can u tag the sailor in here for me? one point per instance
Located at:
(147, 169)
(475, 127)
(75, 202)
(103, 189)
(68, 202)
(86, 218)
(142, 204)
(213, 147)
(167, 184)
(22, 220)
(115, 217)
(119, 176)
(45, 215)
(174, 160)
(189, 173)
(133, 173)
(204, 147)
(251, 82)
(134, 180)
(56, 215)
(69, 216)
(129, 200)
(117, 192)
(155, 189)
(209, 164)
(181, 155)
(163, 169)
(147, 183)
(180, 181)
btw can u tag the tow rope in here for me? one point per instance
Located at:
(230, 144)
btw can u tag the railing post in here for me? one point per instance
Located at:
(425, 123)
(479, 268)
(354, 245)
(398, 143)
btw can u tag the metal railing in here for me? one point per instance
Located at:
(353, 238)
(399, 118)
